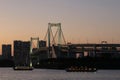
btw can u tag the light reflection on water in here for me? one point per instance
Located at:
(44, 74)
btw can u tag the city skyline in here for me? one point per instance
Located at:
(82, 21)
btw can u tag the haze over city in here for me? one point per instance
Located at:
(82, 20)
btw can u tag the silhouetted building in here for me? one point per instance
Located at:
(42, 43)
(6, 51)
(0, 57)
(21, 53)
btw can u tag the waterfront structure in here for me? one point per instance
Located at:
(21, 53)
(6, 51)
(95, 50)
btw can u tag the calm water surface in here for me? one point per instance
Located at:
(44, 74)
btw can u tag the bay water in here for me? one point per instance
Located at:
(49, 74)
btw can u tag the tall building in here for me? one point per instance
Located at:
(6, 51)
(21, 53)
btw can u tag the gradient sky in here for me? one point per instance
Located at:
(82, 20)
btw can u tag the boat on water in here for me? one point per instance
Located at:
(81, 69)
(23, 68)
(30, 67)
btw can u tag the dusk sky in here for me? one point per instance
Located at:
(82, 20)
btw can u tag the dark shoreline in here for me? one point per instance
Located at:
(63, 63)
(99, 63)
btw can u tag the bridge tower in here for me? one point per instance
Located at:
(51, 38)
(31, 46)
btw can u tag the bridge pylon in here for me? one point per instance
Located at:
(57, 38)
(31, 46)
